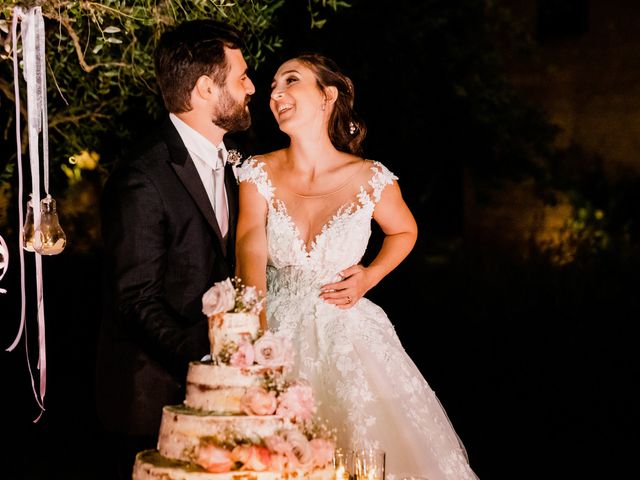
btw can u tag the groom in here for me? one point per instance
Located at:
(168, 223)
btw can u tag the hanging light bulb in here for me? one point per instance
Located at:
(49, 239)
(28, 228)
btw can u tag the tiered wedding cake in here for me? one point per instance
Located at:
(241, 418)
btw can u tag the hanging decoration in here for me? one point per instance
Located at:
(40, 229)
(4, 260)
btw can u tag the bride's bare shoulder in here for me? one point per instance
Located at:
(352, 165)
(271, 158)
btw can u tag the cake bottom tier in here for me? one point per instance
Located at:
(150, 465)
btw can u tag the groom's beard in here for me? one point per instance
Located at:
(230, 115)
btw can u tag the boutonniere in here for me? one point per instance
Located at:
(234, 157)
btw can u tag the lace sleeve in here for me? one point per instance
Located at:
(252, 170)
(382, 177)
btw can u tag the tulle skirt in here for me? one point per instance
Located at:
(368, 388)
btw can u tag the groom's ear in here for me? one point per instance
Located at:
(204, 88)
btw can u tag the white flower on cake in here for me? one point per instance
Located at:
(250, 300)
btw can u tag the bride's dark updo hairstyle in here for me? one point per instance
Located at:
(346, 130)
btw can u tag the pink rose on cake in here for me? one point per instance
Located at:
(322, 450)
(252, 457)
(258, 401)
(297, 402)
(301, 453)
(244, 356)
(278, 445)
(282, 447)
(231, 295)
(215, 459)
(219, 299)
(279, 462)
(272, 350)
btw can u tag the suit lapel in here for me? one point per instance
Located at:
(232, 195)
(186, 171)
(190, 178)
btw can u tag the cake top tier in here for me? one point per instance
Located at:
(232, 329)
(232, 309)
(231, 296)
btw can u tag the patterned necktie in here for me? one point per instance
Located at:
(220, 199)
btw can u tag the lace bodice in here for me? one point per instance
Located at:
(340, 243)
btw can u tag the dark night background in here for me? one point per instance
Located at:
(533, 358)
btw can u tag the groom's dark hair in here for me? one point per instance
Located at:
(187, 52)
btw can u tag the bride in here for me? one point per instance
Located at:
(304, 223)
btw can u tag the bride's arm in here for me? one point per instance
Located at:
(251, 241)
(400, 230)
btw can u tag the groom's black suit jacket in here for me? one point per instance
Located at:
(163, 250)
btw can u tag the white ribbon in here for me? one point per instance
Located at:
(4, 263)
(33, 55)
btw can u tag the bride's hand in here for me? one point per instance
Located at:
(346, 293)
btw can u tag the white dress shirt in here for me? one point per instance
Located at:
(203, 152)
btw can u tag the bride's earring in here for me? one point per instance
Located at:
(324, 103)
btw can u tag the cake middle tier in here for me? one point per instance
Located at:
(183, 430)
(219, 388)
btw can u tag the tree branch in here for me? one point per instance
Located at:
(76, 43)
(75, 119)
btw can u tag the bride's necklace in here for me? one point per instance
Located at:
(336, 190)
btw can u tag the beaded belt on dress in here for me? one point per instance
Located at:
(297, 281)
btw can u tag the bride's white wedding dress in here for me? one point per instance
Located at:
(367, 386)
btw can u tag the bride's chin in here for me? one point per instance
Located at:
(284, 128)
